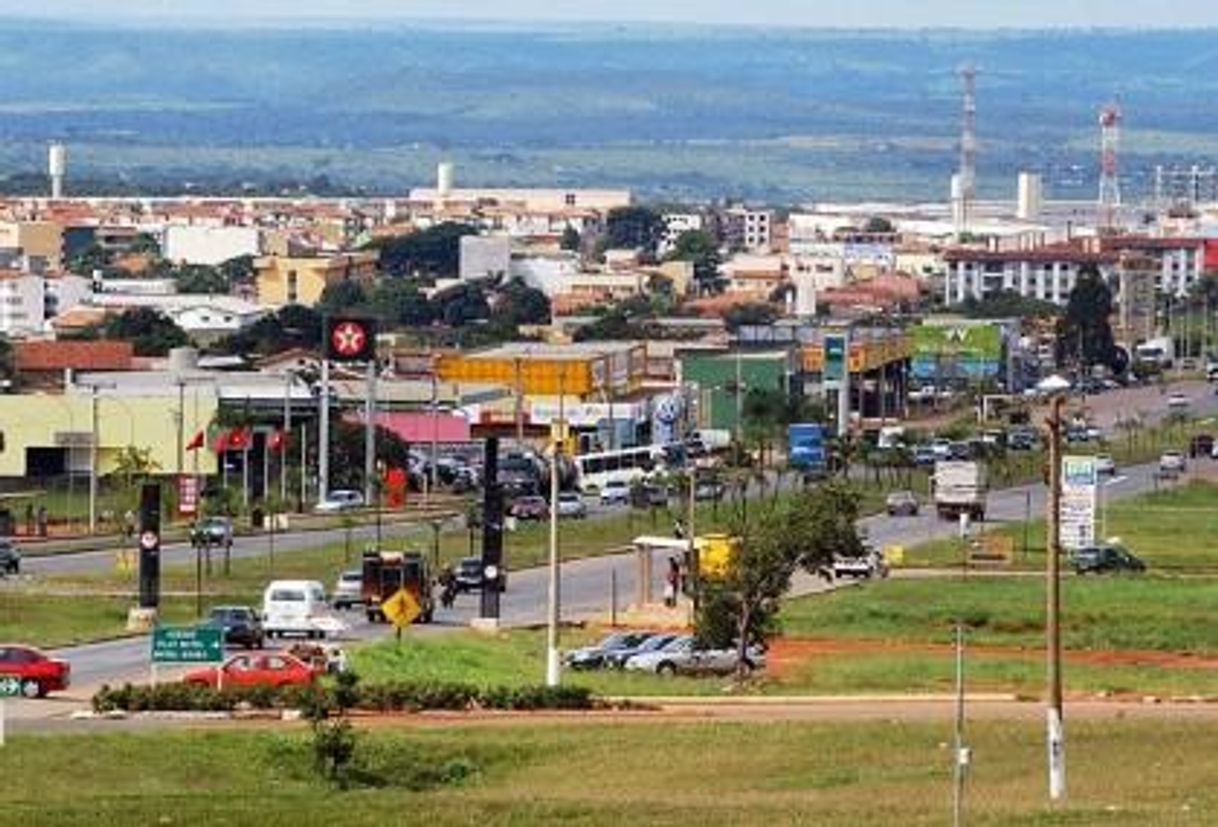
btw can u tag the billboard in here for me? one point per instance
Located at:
(1080, 483)
(957, 351)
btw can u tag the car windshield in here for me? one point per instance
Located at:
(653, 643)
(351, 576)
(612, 642)
(287, 596)
(470, 565)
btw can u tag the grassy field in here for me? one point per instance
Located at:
(1123, 773)
(1170, 529)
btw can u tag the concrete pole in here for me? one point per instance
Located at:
(553, 663)
(370, 435)
(1055, 731)
(435, 430)
(93, 461)
(323, 435)
(181, 383)
(287, 432)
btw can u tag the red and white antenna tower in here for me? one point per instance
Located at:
(1110, 183)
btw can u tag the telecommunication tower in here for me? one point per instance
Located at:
(1110, 184)
(967, 192)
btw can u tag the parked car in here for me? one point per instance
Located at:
(470, 575)
(348, 589)
(530, 508)
(212, 531)
(615, 492)
(1201, 445)
(1178, 402)
(685, 657)
(594, 657)
(338, 501)
(1024, 439)
(1105, 464)
(38, 672)
(866, 566)
(652, 495)
(571, 504)
(653, 642)
(1172, 462)
(709, 490)
(242, 626)
(924, 456)
(1105, 557)
(275, 669)
(10, 558)
(901, 504)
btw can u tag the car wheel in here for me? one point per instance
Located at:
(666, 668)
(32, 689)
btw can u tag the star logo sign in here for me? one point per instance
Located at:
(348, 339)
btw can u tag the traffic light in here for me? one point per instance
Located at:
(350, 338)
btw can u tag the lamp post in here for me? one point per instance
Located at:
(553, 662)
(1055, 729)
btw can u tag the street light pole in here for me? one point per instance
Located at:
(1055, 731)
(553, 663)
(93, 461)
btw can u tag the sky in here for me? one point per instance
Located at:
(975, 14)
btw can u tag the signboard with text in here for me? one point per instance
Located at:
(835, 358)
(188, 494)
(187, 644)
(1080, 485)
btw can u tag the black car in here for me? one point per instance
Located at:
(618, 657)
(1105, 558)
(470, 576)
(10, 558)
(594, 657)
(242, 626)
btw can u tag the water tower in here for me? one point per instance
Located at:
(57, 167)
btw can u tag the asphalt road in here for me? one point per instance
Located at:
(586, 583)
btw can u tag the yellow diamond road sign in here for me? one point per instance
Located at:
(401, 609)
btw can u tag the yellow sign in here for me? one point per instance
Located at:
(124, 561)
(401, 609)
(895, 555)
(715, 554)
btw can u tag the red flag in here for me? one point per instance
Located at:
(275, 441)
(196, 441)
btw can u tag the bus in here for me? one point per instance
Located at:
(806, 448)
(626, 465)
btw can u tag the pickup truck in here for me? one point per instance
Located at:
(866, 566)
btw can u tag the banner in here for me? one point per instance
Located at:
(1080, 487)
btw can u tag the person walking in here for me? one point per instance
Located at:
(672, 583)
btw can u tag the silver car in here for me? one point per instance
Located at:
(338, 501)
(683, 656)
(571, 504)
(348, 589)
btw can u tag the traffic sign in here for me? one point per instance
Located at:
(149, 540)
(401, 609)
(186, 644)
(10, 686)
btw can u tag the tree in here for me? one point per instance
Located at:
(134, 465)
(462, 304)
(433, 252)
(398, 301)
(152, 333)
(740, 607)
(342, 297)
(1084, 333)
(750, 313)
(293, 326)
(199, 278)
(700, 248)
(878, 224)
(347, 453)
(238, 270)
(519, 304)
(570, 239)
(634, 228)
(1008, 304)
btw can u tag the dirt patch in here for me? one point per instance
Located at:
(788, 653)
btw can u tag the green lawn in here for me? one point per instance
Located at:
(1174, 529)
(1124, 773)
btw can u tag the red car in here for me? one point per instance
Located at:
(273, 669)
(38, 673)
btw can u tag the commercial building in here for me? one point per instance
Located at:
(301, 280)
(201, 244)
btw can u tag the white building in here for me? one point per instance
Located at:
(748, 229)
(531, 200)
(200, 316)
(201, 244)
(29, 301)
(676, 225)
(483, 256)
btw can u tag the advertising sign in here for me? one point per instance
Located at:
(188, 495)
(835, 358)
(963, 350)
(1080, 485)
(350, 339)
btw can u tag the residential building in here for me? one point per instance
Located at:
(747, 229)
(301, 280)
(28, 301)
(483, 256)
(202, 244)
(676, 225)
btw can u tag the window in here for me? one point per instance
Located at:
(569, 199)
(292, 286)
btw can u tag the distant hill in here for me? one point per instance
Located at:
(671, 112)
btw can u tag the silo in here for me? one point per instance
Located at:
(57, 167)
(444, 179)
(1028, 206)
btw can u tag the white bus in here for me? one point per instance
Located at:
(593, 471)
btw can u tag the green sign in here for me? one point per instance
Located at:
(10, 686)
(970, 340)
(835, 358)
(178, 644)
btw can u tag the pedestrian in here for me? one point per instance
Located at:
(129, 524)
(29, 519)
(672, 582)
(42, 521)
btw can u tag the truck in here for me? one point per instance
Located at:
(708, 440)
(385, 572)
(806, 448)
(960, 488)
(1160, 351)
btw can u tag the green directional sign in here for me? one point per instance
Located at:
(187, 644)
(10, 686)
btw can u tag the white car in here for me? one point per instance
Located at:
(1178, 402)
(615, 492)
(338, 501)
(348, 591)
(298, 607)
(1171, 462)
(683, 656)
(1105, 464)
(571, 504)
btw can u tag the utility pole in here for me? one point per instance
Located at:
(435, 434)
(370, 434)
(553, 663)
(287, 432)
(181, 383)
(323, 434)
(960, 754)
(1055, 732)
(93, 461)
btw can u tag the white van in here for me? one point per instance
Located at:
(297, 607)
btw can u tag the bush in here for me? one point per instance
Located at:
(398, 696)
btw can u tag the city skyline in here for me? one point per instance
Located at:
(769, 13)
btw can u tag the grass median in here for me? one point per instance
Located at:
(1125, 773)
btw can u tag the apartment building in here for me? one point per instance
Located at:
(748, 229)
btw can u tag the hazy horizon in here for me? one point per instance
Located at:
(879, 14)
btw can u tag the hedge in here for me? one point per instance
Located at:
(410, 696)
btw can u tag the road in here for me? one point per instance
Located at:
(586, 583)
